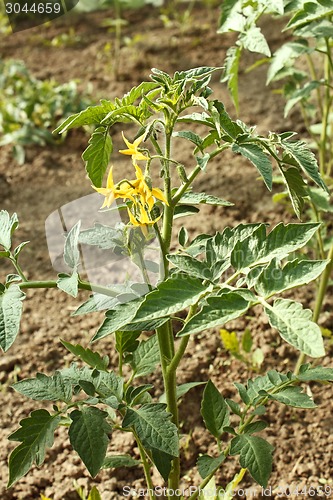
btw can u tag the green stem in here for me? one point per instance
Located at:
(83, 285)
(318, 235)
(146, 468)
(314, 76)
(319, 302)
(181, 190)
(18, 268)
(207, 479)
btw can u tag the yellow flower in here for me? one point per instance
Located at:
(141, 218)
(112, 191)
(141, 195)
(133, 149)
(146, 193)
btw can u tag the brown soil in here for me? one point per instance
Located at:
(53, 176)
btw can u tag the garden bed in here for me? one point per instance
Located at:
(54, 175)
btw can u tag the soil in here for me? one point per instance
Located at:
(54, 175)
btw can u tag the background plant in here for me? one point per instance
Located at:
(304, 66)
(31, 108)
(207, 282)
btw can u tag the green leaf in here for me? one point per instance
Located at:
(296, 188)
(190, 136)
(265, 383)
(206, 464)
(103, 236)
(222, 243)
(285, 56)
(234, 407)
(191, 266)
(317, 373)
(217, 312)
(253, 427)
(254, 41)
(145, 357)
(106, 384)
(232, 18)
(93, 359)
(293, 396)
(203, 198)
(10, 315)
(303, 158)
(19, 248)
(96, 302)
(172, 295)
(202, 161)
(309, 12)
(163, 462)
(115, 461)
(321, 199)
(69, 283)
(202, 118)
(300, 94)
(242, 392)
(231, 73)
(45, 388)
(153, 426)
(71, 250)
(93, 115)
(88, 434)
(247, 340)
(282, 240)
(7, 227)
(255, 455)
(117, 318)
(184, 211)
(183, 236)
(223, 121)
(274, 278)
(97, 155)
(36, 434)
(259, 159)
(126, 341)
(295, 326)
(214, 410)
(94, 494)
(138, 395)
(181, 390)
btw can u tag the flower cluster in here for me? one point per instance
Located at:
(140, 195)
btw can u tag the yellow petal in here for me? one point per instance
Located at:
(103, 191)
(138, 172)
(138, 141)
(109, 182)
(128, 144)
(159, 195)
(132, 219)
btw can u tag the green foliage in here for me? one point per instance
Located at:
(295, 326)
(35, 434)
(202, 285)
(214, 410)
(310, 25)
(31, 108)
(88, 434)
